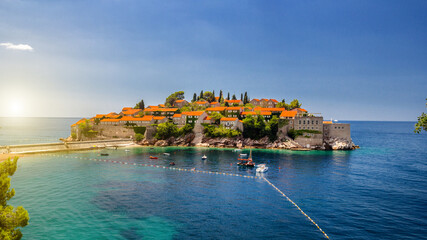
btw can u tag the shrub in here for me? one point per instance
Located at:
(140, 130)
(292, 133)
(187, 128)
(139, 137)
(166, 130)
(220, 131)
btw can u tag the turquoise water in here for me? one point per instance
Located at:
(376, 192)
(16, 131)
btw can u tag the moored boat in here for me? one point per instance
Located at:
(246, 162)
(204, 157)
(151, 157)
(261, 168)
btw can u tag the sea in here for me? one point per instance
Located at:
(376, 192)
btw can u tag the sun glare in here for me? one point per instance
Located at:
(16, 108)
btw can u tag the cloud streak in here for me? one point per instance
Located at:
(21, 47)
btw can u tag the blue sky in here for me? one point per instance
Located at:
(349, 60)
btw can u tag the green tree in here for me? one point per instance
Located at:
(241, 97)
(254, 127)
(208, 96)
(228, 96)
(294, 104)
(234, 97)
(166, 130)
(245, 98)
(11, 219)
(194, 97)
(216, 117)
(422, 122)
(220, 95)
(282, 104)
(201, 95)
(140, 105)
(170, 101)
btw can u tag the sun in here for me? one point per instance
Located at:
(16, 108)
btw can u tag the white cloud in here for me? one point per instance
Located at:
(22, 47)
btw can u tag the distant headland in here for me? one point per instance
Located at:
(218, 121)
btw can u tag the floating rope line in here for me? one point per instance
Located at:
(155, 166)
(195, 171)
(290, 200)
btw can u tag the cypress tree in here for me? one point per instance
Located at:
(234, 97)
(220, 94)
(241, 97)
(201, 95)
(228, 96)
(194, 97)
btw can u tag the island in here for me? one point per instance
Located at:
(218, 121)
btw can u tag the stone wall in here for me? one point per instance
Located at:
(112, 131)
(309, 140)
(337, 130)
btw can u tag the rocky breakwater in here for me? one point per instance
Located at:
(339, 144)
(184, 141)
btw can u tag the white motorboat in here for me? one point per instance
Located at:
(243, 155)
(237, 150)
(204, 157)
(166, 154)
(261, 168)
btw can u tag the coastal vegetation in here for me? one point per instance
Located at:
(170, 101)
(421, 125)
(11, 218)
(292, 133)
(219, 131)
(168, 129)
(87, 129)
(257, 128)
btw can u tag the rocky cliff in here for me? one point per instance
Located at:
(240, 142)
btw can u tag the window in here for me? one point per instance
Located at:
(312, 122)
(299, 121)
(317, 122)
(304, 121)
(190, 121)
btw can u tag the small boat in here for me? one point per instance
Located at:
(243, 155)
(104, 154)
(237, 150)
(246, 162)
(151, 157)
(261, 168)
(127, 150)
(166, 154)
(172, 164)
(204, 157)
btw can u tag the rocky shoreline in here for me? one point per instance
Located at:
(240, 142)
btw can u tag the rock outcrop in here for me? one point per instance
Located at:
(240, 142)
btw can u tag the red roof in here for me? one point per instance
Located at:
(214, 109)
(201, 102)
(327, 122)
(193, 113)
(233, 101)
(110, 120)
(256, 113)
(131, 111)
(274, 100)
(224, 119)
(78, 122)
(176, 115)
(161, 110)
(269, 109)
(299, 109)
(288, 114)
(158, 118)
(234, 108)
(179, 101)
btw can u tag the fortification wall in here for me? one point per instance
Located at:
(337, 130)
(111, 131)
(309, 140)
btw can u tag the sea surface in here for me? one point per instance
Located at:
(376, 192)
(17, 131)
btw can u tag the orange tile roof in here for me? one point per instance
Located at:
(225, 119)
(100, 115)
(201, 102)
(327, 122)
(193, 113)
(214, 103)
(129, 118)
(208, 118)
(152, 107)
(234, 108)
(131, 111)
(264, 99)
(112, 115)
(274, 100)
(161, 110)
(288, 114)
(256, 113)
(110, 120)
(220, 109)
(78, 122)
(269, 109)
(217, 98)
(256, 99)
(301, 109)
(146, 118)
(158, 118)
(233, 101)
(180, 101)
(176, 115)
(161, 105)
(126, 108)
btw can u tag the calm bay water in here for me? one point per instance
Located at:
(16, 131)
(376, 192)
